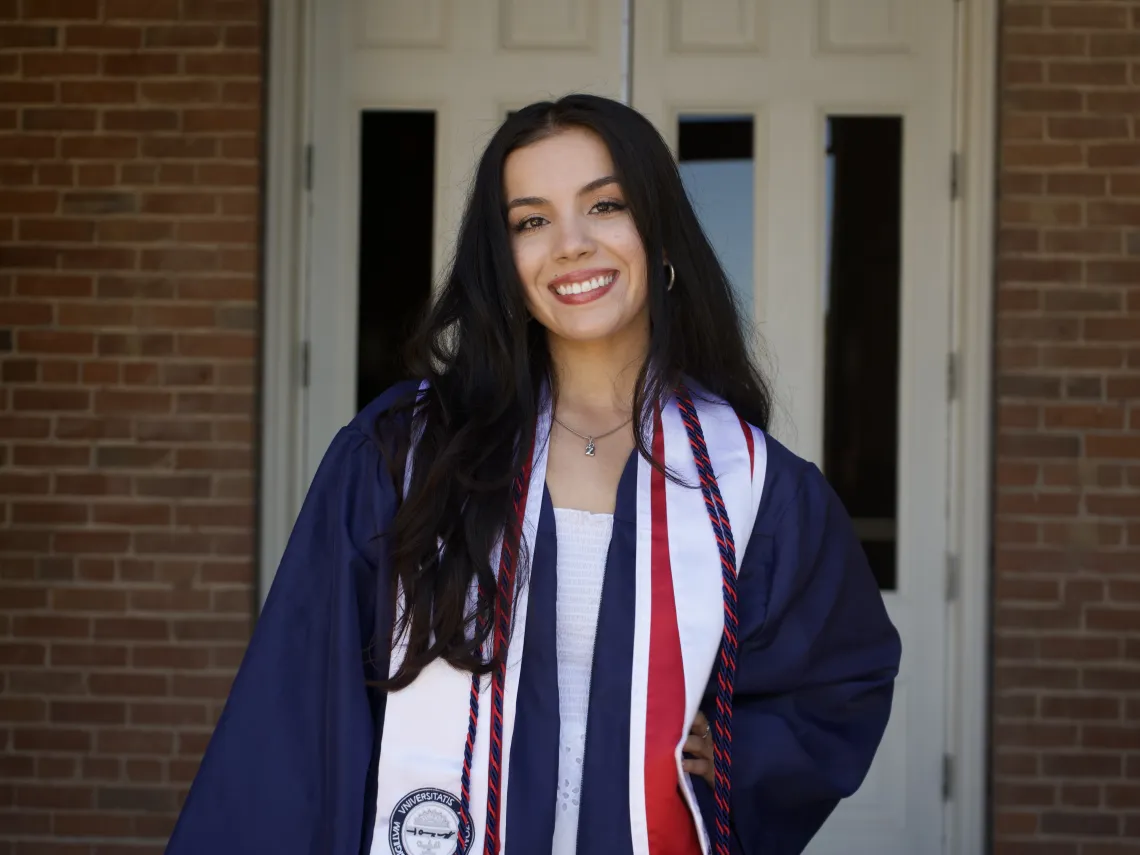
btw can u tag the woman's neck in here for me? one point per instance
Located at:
(598, 377)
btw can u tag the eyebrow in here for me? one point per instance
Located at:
(535, 201)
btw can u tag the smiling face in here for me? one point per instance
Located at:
(576, 248)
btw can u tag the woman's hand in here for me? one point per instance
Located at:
(700, 746)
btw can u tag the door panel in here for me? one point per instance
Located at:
(804, 72)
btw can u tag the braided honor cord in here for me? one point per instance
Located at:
(726, 674)
(504, 606)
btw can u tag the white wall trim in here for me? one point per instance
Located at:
(283, 282)
(973, 474)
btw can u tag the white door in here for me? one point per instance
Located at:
(787, 79)
(798, 230)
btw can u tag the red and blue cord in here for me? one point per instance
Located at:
(504, 613)
(726, 674)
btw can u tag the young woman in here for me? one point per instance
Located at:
(565, 594)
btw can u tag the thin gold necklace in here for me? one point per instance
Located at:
(590, 439)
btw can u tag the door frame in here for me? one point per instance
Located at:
(284, 357)
(971, 471)
(288, 147)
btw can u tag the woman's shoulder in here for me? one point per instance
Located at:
(370, 423)
(357, 458)
(775, 461)
(783, 477)
(789, 481)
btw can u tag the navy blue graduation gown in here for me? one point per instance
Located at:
(291, 767)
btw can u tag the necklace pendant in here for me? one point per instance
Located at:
(590, 447)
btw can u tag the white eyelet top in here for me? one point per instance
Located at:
(583, 542)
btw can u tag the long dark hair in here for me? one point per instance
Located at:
(487, 366)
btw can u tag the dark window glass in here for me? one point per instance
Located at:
(397, 196)
(861, 380)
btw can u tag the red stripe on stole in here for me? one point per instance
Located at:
(671, 828)
(751, 440)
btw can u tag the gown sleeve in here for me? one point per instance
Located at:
(286, 768)
(816, 665)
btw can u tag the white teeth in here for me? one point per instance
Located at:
(585, 287)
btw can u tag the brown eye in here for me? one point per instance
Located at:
(529, 223)
(608, 206)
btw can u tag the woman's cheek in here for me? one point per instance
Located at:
(529, 266)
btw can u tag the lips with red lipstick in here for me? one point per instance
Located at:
(583, 286)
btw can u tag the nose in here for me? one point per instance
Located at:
(574, 240)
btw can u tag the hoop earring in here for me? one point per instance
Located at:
(672, 276)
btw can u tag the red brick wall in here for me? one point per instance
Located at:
(129, 202)
(1066, 738)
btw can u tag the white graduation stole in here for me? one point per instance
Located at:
(426, 724)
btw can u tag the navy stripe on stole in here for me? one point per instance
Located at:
(532, 785)
(603, 820)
